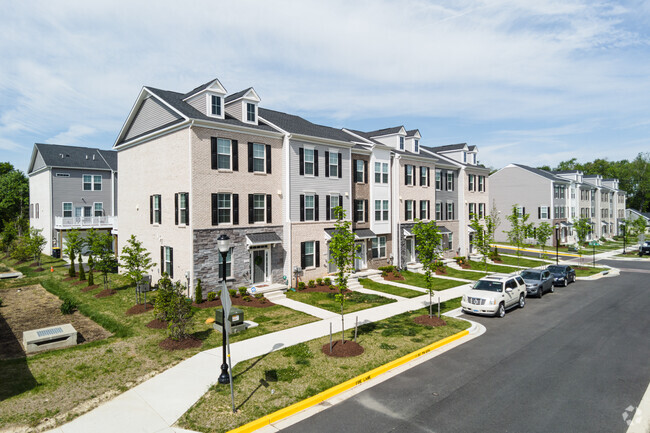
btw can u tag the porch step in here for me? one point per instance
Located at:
(275, 295)
(376, 277)
(267, 288)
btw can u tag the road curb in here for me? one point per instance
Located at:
(350, 383)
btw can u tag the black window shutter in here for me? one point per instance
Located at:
(354, 170)
(539, 213)
(340, 166)
(365, 211)
(428, 177)
(327, 164)
(235, 155)
(365, 171)
(302, 255)
(327, 208)
(406, 207)
(162, 260)
(316, 206)
(150, 209)
(419, 174)
(406, 182)
(268, 159)
(215, 210)
(315, 162)
(176, 208)
(187, 208)
(523, 211)
(301, 161)
(302, 207)
(428, 209)
(354, 211)
(250, 208)
(317, 249)
(250, 157)
(421, 213)
(160, 208)
(213, 152)
(171, 262)
(268, 209)
(235, 209)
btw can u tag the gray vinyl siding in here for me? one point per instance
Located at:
(445, 196)
(234, 109)
(199, 103)
(320, 184)
(151, 115)
(38, 162)
(70, 189)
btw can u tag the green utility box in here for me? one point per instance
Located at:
(236, 319)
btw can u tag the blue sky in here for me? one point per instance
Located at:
(533, 82)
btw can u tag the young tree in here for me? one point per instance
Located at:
(36, 244)
(542, 235)
(14, 194)
(82, 271)
(634, 228)
(198, 292)
(518, 229)
(582, 228)
(101, 247)
(73, 244)
(179, 313)
(494, 223)
(481, 239)
(91, 267)
(342, 254)
(136, 260)
(429, 248)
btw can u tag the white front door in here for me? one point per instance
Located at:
(360, 252)
(410, 250)
(260, 265)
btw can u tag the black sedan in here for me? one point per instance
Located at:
(562, 274)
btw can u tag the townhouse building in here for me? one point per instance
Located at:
(71, 187)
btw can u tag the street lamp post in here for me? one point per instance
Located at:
(557, 243)
(223, 243)
(624, 237)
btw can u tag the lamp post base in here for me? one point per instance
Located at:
(224, 378)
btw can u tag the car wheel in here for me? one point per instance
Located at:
(566, 281)
(522, 301)
(573, 279)
(540, 292)
(501, 312)
(553, 287)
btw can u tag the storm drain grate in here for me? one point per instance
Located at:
(49, 331)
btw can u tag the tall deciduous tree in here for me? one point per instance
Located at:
(428, 244)
(342, 254)
(14, 194)
(101, 247)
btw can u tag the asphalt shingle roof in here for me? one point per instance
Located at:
(411, 133)
(385, 131)
(57, 155)
(458, 146)
(198, 89)
(298, 125)
(237, 95)
(542, 173)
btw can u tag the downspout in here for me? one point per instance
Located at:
(286, 196)
(190, 278)
(397, 237)
(463, 234)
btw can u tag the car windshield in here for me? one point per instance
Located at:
(556, 269)
(530, 275)
(490, 286)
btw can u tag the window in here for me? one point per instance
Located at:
(359, 207)
(472, 210)
(308, 257)
(543, 212)
(259, 157)
(438, 180)
(408, 216)
(358, 172)
(63, 175)
(438, 211)
(250, 112)
(99, 209)
(88, 211)
(377, 172)
(155, 209)
(381, 210)
(168, 261)
(333, 164)
(309, 207)
(37, 212)
(228, 265)
(223, 208)
(67, 210)
(450, 181)
(97, 183)
(88, 182)
(335, 200)
(424, 174)
(416, 145)
(424, 207)
(401, 143)
(381, 172)
(181, 203)
(520, 211)
(259, 209)
(470, 182)
(450, 211)
(223, 153)
(409, 175)
(481, 210)
(450, 238)
(379, 247)
(481, 183)
(309, 162)
(215, 105)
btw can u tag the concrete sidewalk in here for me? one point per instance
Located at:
(155, 405)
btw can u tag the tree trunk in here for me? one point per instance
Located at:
(342, 324)
(430, 304)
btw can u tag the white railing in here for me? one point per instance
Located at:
(85, 222)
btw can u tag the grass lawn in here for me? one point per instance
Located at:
(467, 275)
(387, 288)
(279, 379)
(523, 261)
(590, 271)
(479, 266)
(67, 382)
(354, 301)
(606, 246)
(417, 279)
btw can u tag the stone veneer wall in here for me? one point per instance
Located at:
(206, 256)
(447, 254)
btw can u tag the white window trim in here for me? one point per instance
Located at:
(339, 203)
(425, 170)
(63, 209)
(83, 182)
(426, 206)
(208, 105)
(95, 208)
(312, 254)
(363, 210)
(157, 209)
(62, 175)
(406, 213)
(453, 211)
(304, 161)
(438, 217)
(263, 208)
(171, 263)
(328, 162)
(263, 158)
(244, 111)
(313, 195)
(101, 180)
(363, 174)
(438, 173)
(379, 247)
(229, 208)
(182, 210)
(406, 166)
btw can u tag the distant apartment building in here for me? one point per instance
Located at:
(71, 187)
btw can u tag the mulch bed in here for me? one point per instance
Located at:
(442, 271)
(207, 304)
(345, 350)
(89, 288)
(34, 264)
(139, 309)
(465, 266)
(498, 261)
(391, 276)
(581, 268)
(254, 302)
(69, 278)
(156, 324)
(186, 343)
(77, 283)
(323, 288)
(432, 321)
(39, 269)
(105, 293)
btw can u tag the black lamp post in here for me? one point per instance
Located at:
(557, 243)
(223, 243)
(624, 236)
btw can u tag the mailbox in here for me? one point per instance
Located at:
(236, 317)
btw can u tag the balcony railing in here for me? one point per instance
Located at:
(85, 222)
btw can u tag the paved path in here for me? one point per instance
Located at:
(155, 405)
(305, 308)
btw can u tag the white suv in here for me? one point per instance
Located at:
(494, 294)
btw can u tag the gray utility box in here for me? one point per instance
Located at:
(236, 319)
(53, 337)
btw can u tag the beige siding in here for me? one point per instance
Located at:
(151, 115)
(305, 232)
(361, 191)
(417, 192)
(235, 109)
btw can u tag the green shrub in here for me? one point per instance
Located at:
(0, 302)
(211, 296)
(243, 290)
(82, 271)
(312, 283)
(327, 281)
(233, 292)
(198, 292)
(164, 298)
(438, 265)
(68, 306)
(179, 313)
(387, 269)
(332, 287)
(21, 249)
(91, 265)
(246, 298)
(460, 260)
(493, 255)
(301, 285)
(319, 281)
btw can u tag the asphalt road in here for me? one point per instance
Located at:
(572, 361)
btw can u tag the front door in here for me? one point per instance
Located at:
(360, 252)
(260, 265)
(471, 245)
(410, 250)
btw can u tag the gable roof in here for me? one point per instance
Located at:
(412, 132)
(385, 131)
(58, 155)
(449, 147)
(203, 87)
(542, 173)
(297, 125)
(237, 95)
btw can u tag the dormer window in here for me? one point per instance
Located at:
(215, 105)
(401, 143)
(465, 157)
(250, 112)
(416, 146)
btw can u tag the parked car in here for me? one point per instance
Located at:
(644, 248)
(538, 281)
(494, 294)
(562, 274)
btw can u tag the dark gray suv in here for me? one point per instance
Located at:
(538, 281)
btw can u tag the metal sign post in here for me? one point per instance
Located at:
(226, 304)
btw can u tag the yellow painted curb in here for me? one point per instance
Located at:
(351, 383)
(549, 252)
